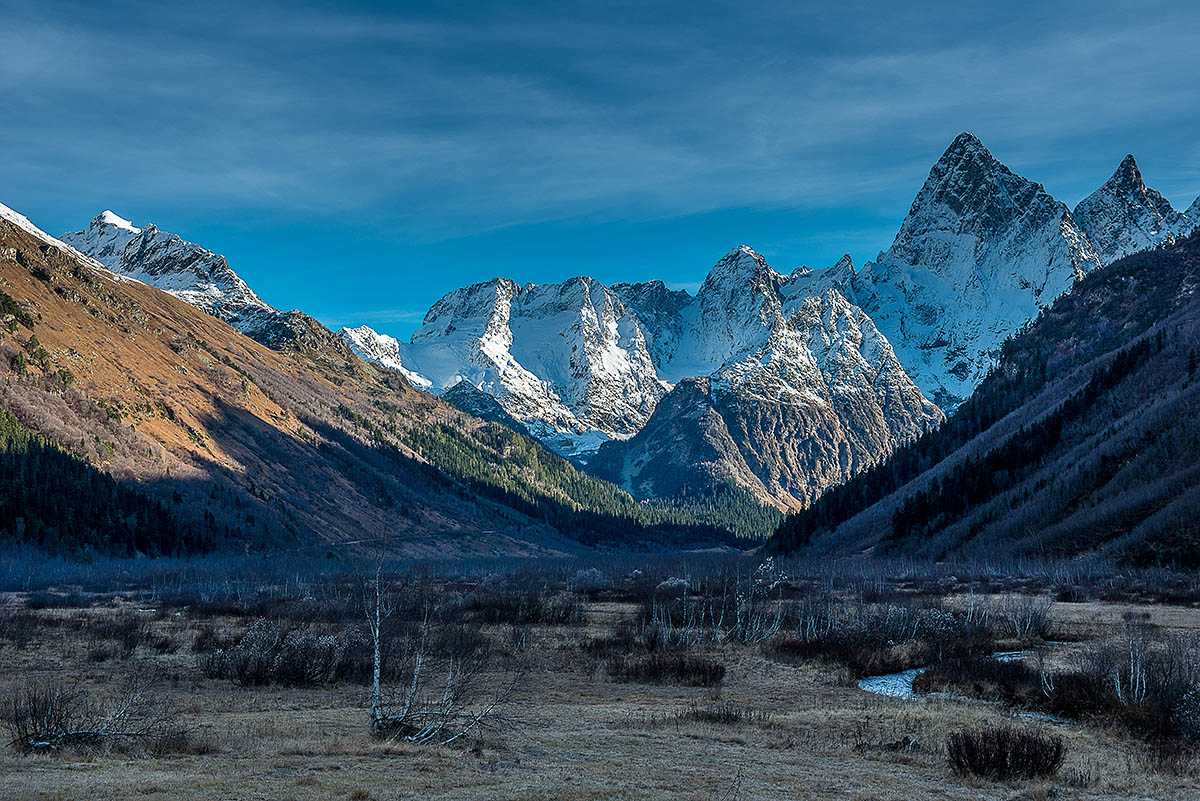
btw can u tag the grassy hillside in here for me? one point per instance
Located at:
(304, 444)
(1083, 437)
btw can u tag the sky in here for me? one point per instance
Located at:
(359, 160)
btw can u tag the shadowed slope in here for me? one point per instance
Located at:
(1083, 437)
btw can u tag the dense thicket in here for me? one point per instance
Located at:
(51, 499)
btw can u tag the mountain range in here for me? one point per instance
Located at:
(542, 418)
(140, 420)
(670, 394)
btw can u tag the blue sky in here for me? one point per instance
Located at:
(358, 160)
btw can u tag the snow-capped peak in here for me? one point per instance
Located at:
(372, 346)
(742, 263)
(184, 269)
(979, 253)
(1125, 216)
(109, 217)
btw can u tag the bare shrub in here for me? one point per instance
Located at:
(667, 668)
(1003, 753)
(590, 580)
(872, 638)
(983, 676)
(1146, 681)
(525, 607)
(275, 653)
(726, 713)
(687, 613)
(1027, 618)
(48, 717)
(208, 640)
(126, 631)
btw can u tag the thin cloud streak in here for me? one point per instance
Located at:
(452, 139)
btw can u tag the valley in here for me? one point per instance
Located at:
(778, 721)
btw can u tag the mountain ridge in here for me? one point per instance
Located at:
(281, 447)
(1082, 439)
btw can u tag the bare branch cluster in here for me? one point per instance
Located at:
(447, 696)
(43, 717)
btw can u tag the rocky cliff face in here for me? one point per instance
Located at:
(981, 251)
(801, 392)
(1125, 216)
(466, 397)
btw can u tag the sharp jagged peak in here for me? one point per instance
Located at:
(844, 264)
(1125, 215)
(741, 264)
(967, 146)
(967, 157)
(1128, 175)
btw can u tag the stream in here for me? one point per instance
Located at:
(900, 685)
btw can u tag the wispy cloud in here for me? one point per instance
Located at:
(439, 124)
(427, 124)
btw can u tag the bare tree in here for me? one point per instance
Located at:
(446, 698)
(378, 609)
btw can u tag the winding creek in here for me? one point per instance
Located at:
(900, 685)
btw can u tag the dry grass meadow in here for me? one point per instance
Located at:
(799, 728)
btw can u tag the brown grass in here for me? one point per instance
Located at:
(581, 736)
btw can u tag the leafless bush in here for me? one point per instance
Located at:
(667, 668)
(589, 580)
(274, 653)
(513, 606)
(1002, 753)
(881, 637)
(49, 717)
(1027, 618)
(725, 713)
(746, 608)
(1148, 681)
(207, 640)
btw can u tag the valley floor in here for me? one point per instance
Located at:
(580, 735)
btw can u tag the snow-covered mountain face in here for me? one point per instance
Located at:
(806, 390)
(569, 360)
(981, 251)
(185, 270)
(372, 346)
(1125, 216)
(795, 390)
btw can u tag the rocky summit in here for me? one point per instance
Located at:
(1125, 216)
(979, 253)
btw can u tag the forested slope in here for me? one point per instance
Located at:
(1084, 437)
